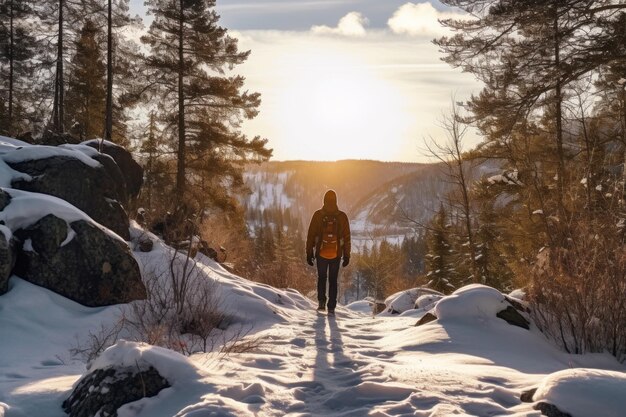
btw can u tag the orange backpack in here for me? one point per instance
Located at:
(329, 248)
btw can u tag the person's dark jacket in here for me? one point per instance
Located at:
(314, 236)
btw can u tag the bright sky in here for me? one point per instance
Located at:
(345, 79)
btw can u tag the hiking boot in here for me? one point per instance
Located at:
(321, 308)
(331, 312)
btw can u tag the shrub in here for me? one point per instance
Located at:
(578, 291)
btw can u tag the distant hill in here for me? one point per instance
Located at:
(379, 197)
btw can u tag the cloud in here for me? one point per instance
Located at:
(351, 25)
(420, 19)
(400, 83)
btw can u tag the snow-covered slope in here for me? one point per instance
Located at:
(302, 363)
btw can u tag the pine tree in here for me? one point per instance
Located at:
(17, 49)
(86, 85)
(189, 55)
(155, 166)
(491, 259)
(62, 20)
(120, 80)
(529, 55)
(439, 259)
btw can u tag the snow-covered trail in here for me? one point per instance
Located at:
(346, 366)
(467, 363)
(315, 365)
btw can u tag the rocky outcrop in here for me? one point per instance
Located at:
(131, 170)
(145, 244)
(479, 300)
(550, 410)
(7, 247)
(5, 199)
(103, 391)
(80, 261)
(527, 396)
(514, 313)
(513, 317)
(95, 190)
(7, 261)
(426, 318)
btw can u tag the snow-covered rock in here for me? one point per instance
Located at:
(427, 300)
(581, 392)
(94, 188)
(7, 261)
(62, 249)
(124, 373)
(481, 301)
(407, 300)
(471, 301)
(361, 306)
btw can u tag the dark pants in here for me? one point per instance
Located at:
(327, 269)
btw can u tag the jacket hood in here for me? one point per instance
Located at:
(330, 201)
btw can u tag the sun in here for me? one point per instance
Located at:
(340, 108)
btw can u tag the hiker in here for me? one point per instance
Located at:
(329, 235)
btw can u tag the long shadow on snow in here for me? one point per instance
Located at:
(339, 388)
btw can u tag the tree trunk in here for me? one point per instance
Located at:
(108, 124)
(59, 98)
(559, 119)
(11, 58)
(623, 117)
(180, 172)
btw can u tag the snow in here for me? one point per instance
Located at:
(82, 148)
(11, 143)
(473, 300)
(98, 141)
(8, 174)
(173, 366)
(468, 362)
(585, 392)
(427, 300)
(268, 192)
(6, 232)
(31, 153)
(406, 300)
(27, 208)
(15, 151)
(361, 306)
(508, 178)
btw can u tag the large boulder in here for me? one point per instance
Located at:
(131, 170)
(407, 300)
(79, 260)
(7, 258)
(481, 301)
(93, 186)
(7, 247)
(127, 372)
(550, 410)
(103, 391)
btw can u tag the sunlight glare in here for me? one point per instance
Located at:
(339, 108)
